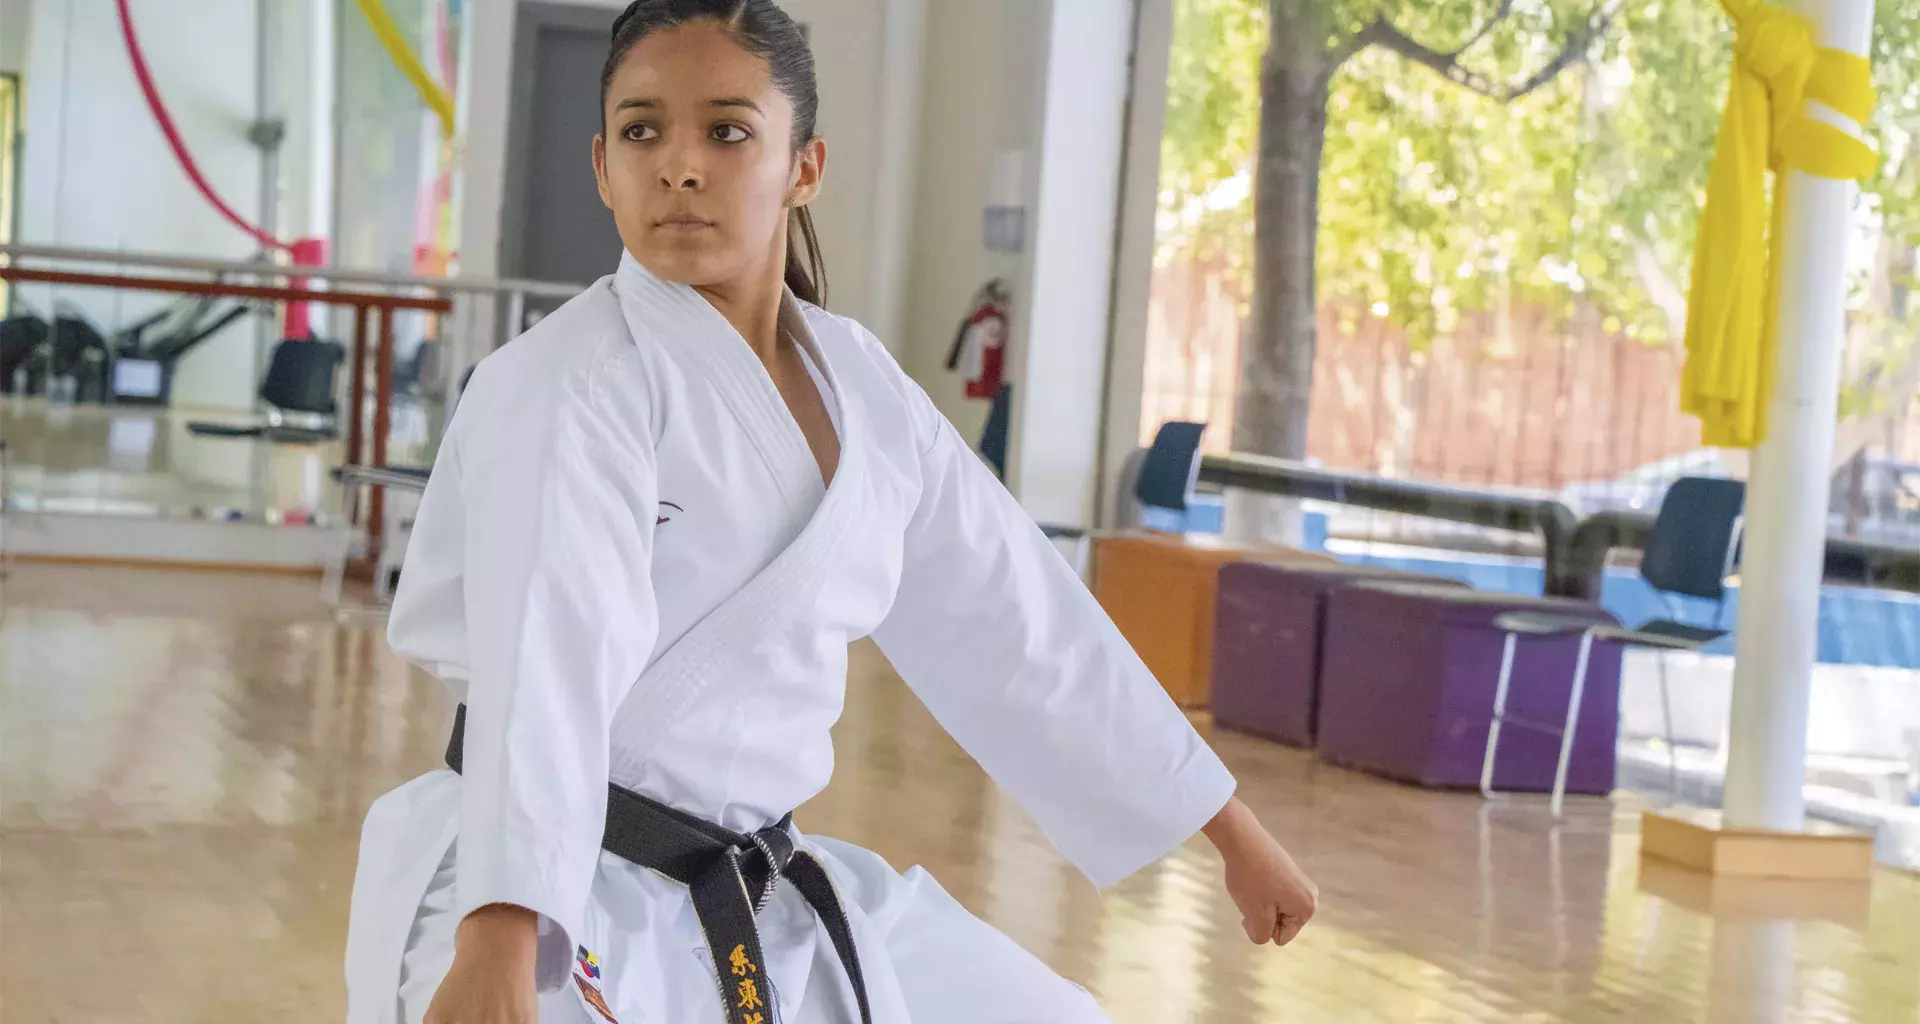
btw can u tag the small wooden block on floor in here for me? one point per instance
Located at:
(1160, 590)
(1697, 839)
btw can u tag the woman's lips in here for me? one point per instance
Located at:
(682, 222)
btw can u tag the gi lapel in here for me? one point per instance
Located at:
(783, 594)
(680, 320)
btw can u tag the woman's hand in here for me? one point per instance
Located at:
(1276, 899)
(491, 980)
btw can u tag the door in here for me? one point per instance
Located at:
(554, 227)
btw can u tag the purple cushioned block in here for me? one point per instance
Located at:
(1407, 683)
(1267, 633)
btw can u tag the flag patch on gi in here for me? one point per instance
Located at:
(589, 971)
(594, 998)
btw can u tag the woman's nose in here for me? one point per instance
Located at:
(681, 172)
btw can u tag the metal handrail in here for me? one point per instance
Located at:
(502, 286)
(1552, 521)
(1574, 551)
(30, 275)
(354, 474)
(1851, 562)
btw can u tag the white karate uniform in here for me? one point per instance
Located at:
(628, 568)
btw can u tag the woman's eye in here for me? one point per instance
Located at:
(729, 133)
(639, 131)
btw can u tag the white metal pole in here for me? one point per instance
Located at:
(1751, 979)
(1787, 495)
(322, 112)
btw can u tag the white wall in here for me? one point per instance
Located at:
(1049, 80)
(98, 174)
(982, 93)
(865, 52)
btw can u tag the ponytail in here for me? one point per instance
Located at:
(806, 271)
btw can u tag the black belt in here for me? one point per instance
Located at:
(730, 877)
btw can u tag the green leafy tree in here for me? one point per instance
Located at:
(1419, 160)
(1503, 51)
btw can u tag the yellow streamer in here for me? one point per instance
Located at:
(431, 93)
(1734, 297)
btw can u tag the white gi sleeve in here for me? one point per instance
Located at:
(556, 510)
(1014, 657)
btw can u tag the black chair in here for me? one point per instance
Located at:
(1692, 550)
(300, 380)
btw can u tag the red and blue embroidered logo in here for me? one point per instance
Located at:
(589, 964)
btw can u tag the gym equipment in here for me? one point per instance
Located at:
(69, 360)
(147, 353)
(21, 337)
(76, 361)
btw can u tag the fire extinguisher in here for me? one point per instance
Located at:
(980, 345)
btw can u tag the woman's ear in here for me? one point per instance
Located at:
(600, 169)
(809, 167)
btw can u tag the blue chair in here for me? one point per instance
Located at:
(1693, 548)
(1165, 488)
(993, 437)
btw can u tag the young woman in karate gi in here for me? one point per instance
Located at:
(657, 521)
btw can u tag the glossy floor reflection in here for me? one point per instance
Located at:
(130, 460)
(186, 760)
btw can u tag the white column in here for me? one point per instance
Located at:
(1133, 271)
(1787, 495)
(1059, 365)
(481, 103)
(903, 32)
(1751, 979)
(322, 105)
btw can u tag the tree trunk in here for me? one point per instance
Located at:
(1276, 357)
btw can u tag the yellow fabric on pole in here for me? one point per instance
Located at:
(436, 98)
(1734, 296)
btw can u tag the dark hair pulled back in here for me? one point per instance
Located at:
(764, 30)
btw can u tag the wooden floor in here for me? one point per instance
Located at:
(186, 759)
